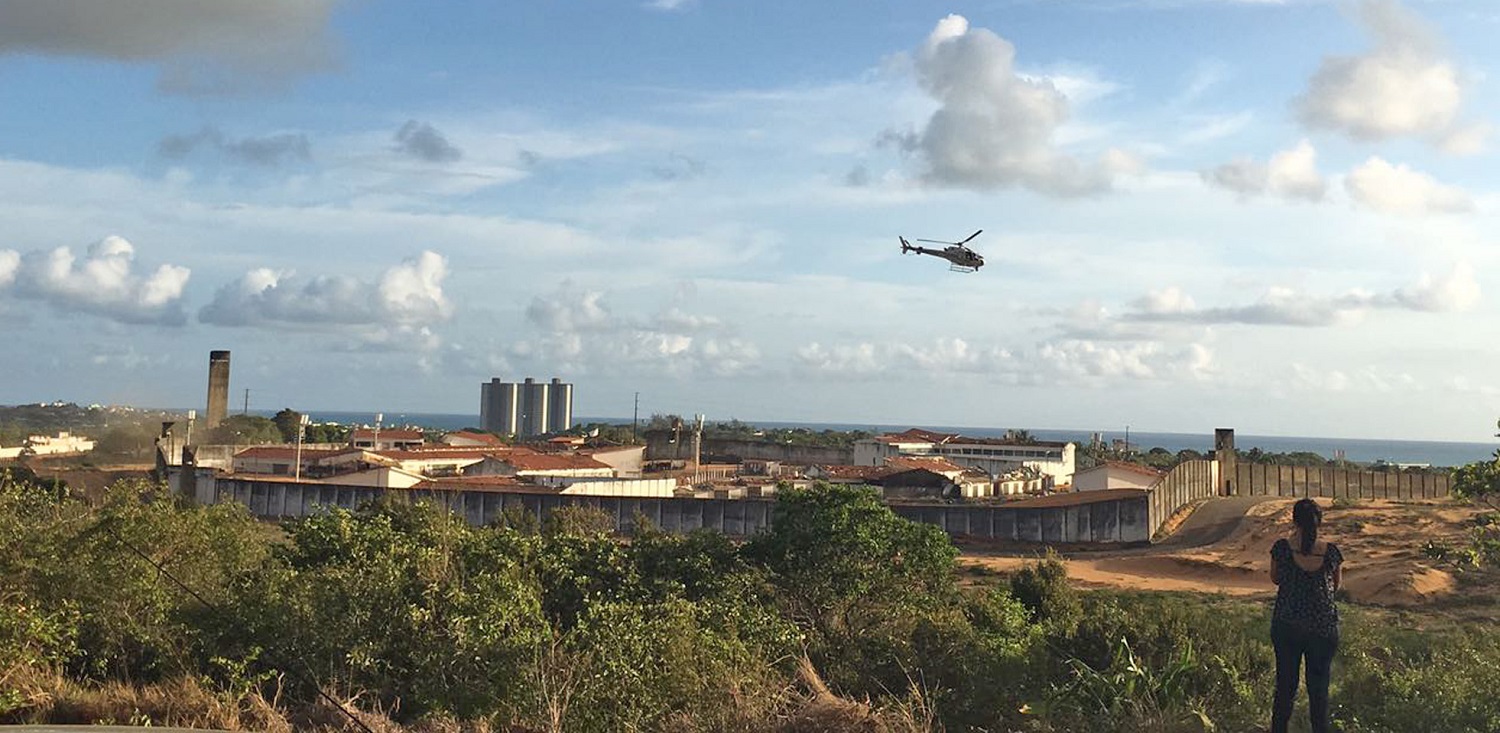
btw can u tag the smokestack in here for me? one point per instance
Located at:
(218, 388)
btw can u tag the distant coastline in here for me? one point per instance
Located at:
(1361, 450)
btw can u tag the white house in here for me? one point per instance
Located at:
(44, 445)
(1115, 475)
(372, 439)
(995, 456)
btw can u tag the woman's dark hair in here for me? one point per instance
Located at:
(1307, 515)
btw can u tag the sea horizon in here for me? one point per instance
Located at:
(1359, 450)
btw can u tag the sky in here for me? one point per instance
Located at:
(1277, 216)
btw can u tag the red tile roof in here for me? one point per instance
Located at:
(289, 453)
(931, 463)
(916, 435)
(551, 462)
(854, 473)
(1135, 468)
(498, 484)
(1079, 497)
(483, 438)
(476, 452)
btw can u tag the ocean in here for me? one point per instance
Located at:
(1435, 453)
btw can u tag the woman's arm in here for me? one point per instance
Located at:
(1338, 576)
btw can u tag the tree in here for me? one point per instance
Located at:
(1479, 481)
(844, 562)
(244, 430)
(289, 422)
(1020, 437)
(326, 433)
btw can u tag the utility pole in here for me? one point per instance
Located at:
(301, 428)
(697, 449)
(635, 417)
(246, 411)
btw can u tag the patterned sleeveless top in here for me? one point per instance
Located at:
(1304, 600)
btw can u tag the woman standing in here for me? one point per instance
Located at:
(1304, 623)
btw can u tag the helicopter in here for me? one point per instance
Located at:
(960, 258)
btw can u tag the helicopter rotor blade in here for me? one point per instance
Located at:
(935, 241)
(971, 236)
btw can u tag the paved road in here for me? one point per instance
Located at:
(1211, 522)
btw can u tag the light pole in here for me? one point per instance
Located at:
(301, 428)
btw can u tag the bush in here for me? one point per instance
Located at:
(1042, 587)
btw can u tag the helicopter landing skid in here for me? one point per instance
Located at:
(962, 268)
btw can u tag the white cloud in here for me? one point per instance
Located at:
(1167, 300)
(408, 295)
(1367, 379)
(582, 334)
(104, 283)
(1291, 174)
(202, 46)
(1399, 189)
(995, 128)
(1061, 361)
(1403, 86)
(1458, 290)
(10, 263)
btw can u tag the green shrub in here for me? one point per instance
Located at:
(1043, 588)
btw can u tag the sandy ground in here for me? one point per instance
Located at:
(1381, 541)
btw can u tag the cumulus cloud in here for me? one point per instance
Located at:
(408, 295)
(1065, 361)
(1399, 189)
(1291, 174)
(103, 283)
(1402, 86)
(200, 46)
(996, 128)
(1365, 379)
(269, 150)
(422, 141)
(10, 263)
(581, 333)
(1458, 290)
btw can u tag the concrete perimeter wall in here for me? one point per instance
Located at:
(1124, 520)
(1258, 479)
(1186, 483)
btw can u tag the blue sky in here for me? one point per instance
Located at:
(1275, 216)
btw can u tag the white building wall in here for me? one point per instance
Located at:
(662, 488)
(1105, 477)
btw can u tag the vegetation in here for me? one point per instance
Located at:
(842, 617)
(244, 430)
(737, 430)
(1480, 483)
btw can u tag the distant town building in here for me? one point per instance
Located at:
(44, 445)
(527, 409)
(1115, 475)
(995, 456)
(377, 439)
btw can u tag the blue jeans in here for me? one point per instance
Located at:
(1292, 645)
